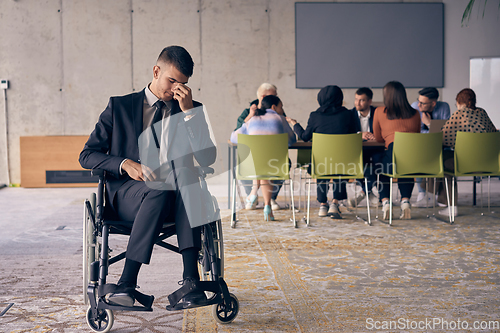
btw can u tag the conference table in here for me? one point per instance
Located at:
(231, 158)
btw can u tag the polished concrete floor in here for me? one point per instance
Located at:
(333, 276)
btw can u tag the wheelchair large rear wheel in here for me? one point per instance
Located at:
(89, 244)
(103, 322)
(224, 314)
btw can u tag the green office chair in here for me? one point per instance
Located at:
(338, 156)
(262, 157)
(303, 162)
(417, 155)
(476, 154)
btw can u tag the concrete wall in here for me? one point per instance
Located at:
(64, 58)
(479, 38)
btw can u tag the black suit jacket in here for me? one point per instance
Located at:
(117, 131)
(331, 121)
(370, 121)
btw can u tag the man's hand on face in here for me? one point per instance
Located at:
(182, 94)
(426, 118)
(291, 121)
(138, 171)
(253, 109)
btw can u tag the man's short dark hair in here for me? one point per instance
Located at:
(430, 92)
(365, 91)
(179, 57)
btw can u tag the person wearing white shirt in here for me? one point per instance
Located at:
(365, 111)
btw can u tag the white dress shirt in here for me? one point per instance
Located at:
(365, 124)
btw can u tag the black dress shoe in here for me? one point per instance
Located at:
(192, 296)
(123, 295)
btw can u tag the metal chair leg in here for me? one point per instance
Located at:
(489, 188)
(357, 217)
(390, 202)
(481, 178)
(453, 200)
(293, 205)
(355, 198)
(300, 187)
(378, 185)
(308, 202)
(233, 205)
(368, 202)
(286, 197)
(450, 213)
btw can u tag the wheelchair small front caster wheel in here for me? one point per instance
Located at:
(104, 321)
(225, 314)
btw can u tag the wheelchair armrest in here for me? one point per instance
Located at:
(101, 173)
(205, 171)
(98, 172)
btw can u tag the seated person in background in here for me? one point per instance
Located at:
(467, 118)
(396, 116)
(330, 118)
(267, 120)
(430, 108)
(265, 89)
(364, 112)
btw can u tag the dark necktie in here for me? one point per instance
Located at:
(158, 116)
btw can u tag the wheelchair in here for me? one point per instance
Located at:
(98, 224)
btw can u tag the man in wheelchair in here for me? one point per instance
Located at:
(147, 142)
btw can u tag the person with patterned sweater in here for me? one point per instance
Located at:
(467, 118)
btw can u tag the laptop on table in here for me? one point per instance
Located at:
(436, 125)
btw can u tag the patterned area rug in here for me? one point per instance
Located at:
(334, 276)
(346, 276)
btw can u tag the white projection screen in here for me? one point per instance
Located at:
(485, 81)
(359, 44)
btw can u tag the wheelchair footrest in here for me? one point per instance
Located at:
(104, 305)
(194, 286)
(181, 306)
(145, 300)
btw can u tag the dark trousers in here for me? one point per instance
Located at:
(149, 209)
(405, 185)
(370, 160)
(338, 187)
(449, 165)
